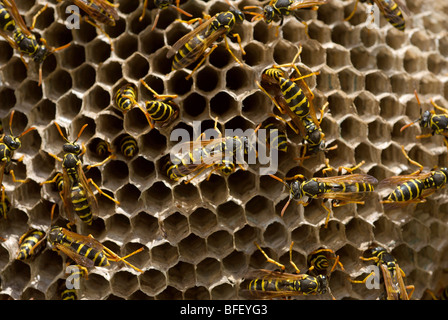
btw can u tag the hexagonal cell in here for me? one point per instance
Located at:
(136, 67)
(259, 211)
(97, 286)
(176, 227)
(353, 130)
(164, 256)
(125, 46)
(242, 184)
(14, 72)
(208, 271)
(97, 99)
(157, 197)
(192, 248)
(98, 51)
(152, 282)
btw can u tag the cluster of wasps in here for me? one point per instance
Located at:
(292, 98)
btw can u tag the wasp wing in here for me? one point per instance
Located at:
(394, 181)
(389, 13)
(99, 10)
(389, 285)
(66, 196)
(201, 29)
(302, 4)
(79, 259)
(89, 193)
(14, 11)
(87, 240)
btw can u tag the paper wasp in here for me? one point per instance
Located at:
(15, 31)
(85, 250)
(125, 98)
(10, 143)
(438, 123)
(391, 9)
(297, 103)
(162, 4)
(341, 189)
(194, 44)
(267, 284)
(222, 153)
(99, 12)
(77, 195)
(278, 9)
(318, 262)
(391, 271)
(128, 146)
(30, 243)
(414, 187)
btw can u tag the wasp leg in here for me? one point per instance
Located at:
(353, 12)
(202, 61)
(350, 170)
(290, 258)
(145, 5)
(413, 162)
(289, 123)
(37, 15)
(439, 107)
(102, 192)
(14, 177)
(114, 257)
(365, 279)
(422, 136)
(328, 215)
(112, 156)
(156, 95)
(230, 51)
(278, 264)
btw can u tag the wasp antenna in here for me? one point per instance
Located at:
(285, 207)
(278, 179)
(407, 125)
(10, 121)
(26, 131)
(80, 132)
(60, 131)
(416, 96)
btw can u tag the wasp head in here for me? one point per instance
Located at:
(440, 177)
(425, 120)
(296, 190)
(239, 15)
(323, 284)
(41, 54)
(71, 147)
(269, 13)
(12, 142)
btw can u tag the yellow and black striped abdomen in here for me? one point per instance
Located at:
(7, 22)
(28, 244)
(358, 187)
(97, 257)
(81, 205)
(125, 97)
(189, 52)
(271, 285)
(159, 111)
(276, 137)
(393, 14)
(128, 146)
(295, 98)
(409, 190)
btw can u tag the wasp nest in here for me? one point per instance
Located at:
(198, 238)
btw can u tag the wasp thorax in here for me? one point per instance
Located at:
(12, 142)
